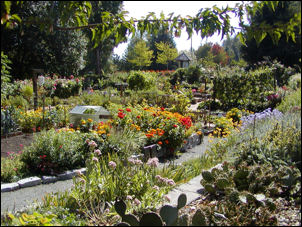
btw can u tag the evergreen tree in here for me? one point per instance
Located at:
(141, 55)
(162, 36)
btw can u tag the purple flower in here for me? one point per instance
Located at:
(170, 182)
(98, 152)
(137, 202)
(153, 162)
(129, 197)
(95, 159)
(156, 187)
(112, 164)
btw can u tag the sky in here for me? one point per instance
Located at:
(137, 9)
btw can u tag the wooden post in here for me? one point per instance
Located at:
(35, 87)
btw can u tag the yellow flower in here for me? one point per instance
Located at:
(89, 120)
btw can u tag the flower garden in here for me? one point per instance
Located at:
(258, 126)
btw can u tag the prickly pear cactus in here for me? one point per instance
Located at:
(222, 183)
(169, 214)
(182, 201)
(120, 207)
(207, 176)
(183, 220)
(199, 219)
(151, 219)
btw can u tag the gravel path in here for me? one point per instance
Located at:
(16, 200)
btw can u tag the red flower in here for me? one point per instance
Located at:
(71, 77)
(60, 146)
(162, 108)
(120, 110)
(128, 110)
(34, 129)
(121, 115)
(138, 117)
(167, 141)
(175, 126)
(160, 143)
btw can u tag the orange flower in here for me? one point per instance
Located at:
(167, 141)
(160, 143)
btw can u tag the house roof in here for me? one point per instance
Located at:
(182, 57)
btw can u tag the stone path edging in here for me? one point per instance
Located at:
(33, 181)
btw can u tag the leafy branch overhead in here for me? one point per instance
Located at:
(74, 15)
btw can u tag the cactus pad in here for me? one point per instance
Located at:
(207, 176)
(182, 201)
(169, 214)
(151, 219)
(199, 218)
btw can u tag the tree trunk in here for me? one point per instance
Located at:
(98, 65)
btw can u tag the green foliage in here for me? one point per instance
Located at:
(291, 101)
(167, 53)
(283, 43)
(12, 169)
(35, 219)
(53, 152)
(139, 80)
(244, 90)
(8, 122)
(141, 55)
(294, 82)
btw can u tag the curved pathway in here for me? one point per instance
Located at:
(19, 199)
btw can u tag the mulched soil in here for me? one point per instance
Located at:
(15, 143)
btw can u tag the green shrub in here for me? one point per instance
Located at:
(291, 100)
(193, 73)
(139, 80)
(294, 81)
(52, 152)
(18, 101)
(178, 76)
(27, 92)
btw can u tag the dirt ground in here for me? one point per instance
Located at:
(15, 143)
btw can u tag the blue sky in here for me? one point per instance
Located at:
(137, 9)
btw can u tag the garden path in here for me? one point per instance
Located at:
(19, 199)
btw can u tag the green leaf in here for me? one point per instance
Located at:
(259, 36)
(241, 38)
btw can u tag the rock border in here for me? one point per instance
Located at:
(33, 181)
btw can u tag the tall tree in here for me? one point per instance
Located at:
(287, 51)
(203, 50)
(232, 46)
(141, 55)
(163, 35)
(30, 47)
(97, 57)
(166, 53)
(220, 56)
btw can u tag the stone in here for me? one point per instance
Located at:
(29, 182)
(66, 175)
(9, 187)
(49, 179)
